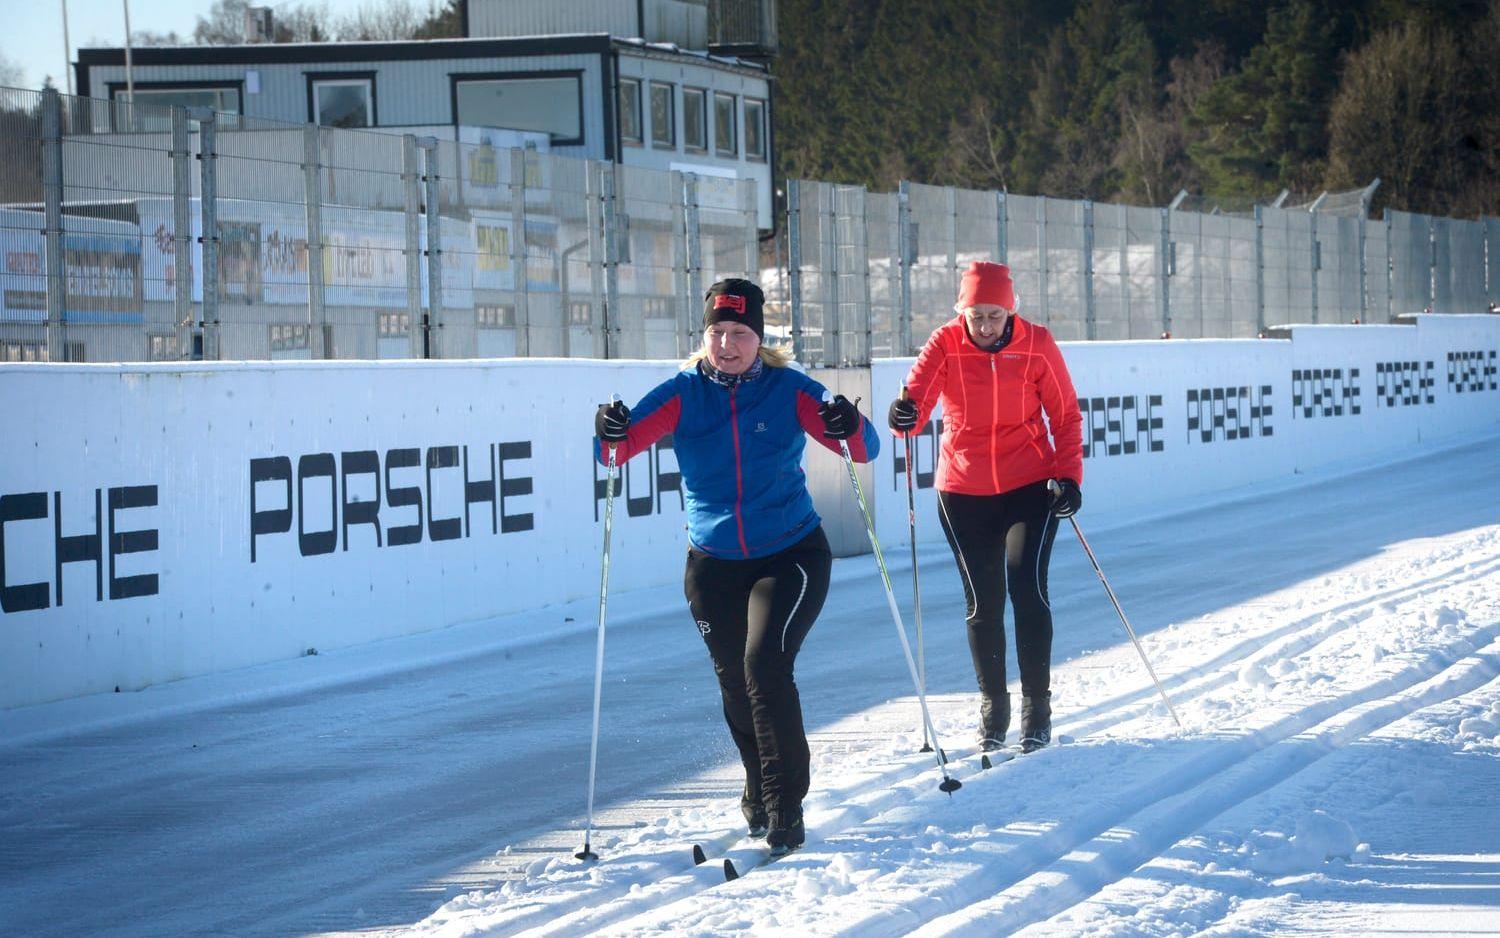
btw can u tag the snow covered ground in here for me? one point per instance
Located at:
(1331, 643)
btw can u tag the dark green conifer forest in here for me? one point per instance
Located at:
(1133, 101)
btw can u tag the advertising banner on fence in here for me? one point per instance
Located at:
(263, 255)
(101, 269)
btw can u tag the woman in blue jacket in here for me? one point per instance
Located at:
(758, 562)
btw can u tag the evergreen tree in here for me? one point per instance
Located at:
(1265, 125)
(1101, 63)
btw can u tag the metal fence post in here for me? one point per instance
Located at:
(411, 184)
(594, 209)
(1260, 271)
(1088, 270)
(1002, 225)
(683, 314)
(312, 185)
(1431, 264)
(208, 189)
(1315, 260)
(693, 233)
(182, 231)
(1164, 272)
(794, 265)
(520, 294)
(1041, 259)
(954, 273)
(612, 324)
(749, 191)
(828, 259)
(52, 196)
(906, 259)
(432, 320)
(866, 309)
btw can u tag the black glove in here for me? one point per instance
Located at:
(903, 415)
(840, 418)
(1066, 500)
(612, 422)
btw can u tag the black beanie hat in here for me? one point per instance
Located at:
(735, 300)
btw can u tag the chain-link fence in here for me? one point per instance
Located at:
(321, 244)
(331, 243)
(874, 274)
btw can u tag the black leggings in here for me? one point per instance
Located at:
(1003, 544)
(753, 615)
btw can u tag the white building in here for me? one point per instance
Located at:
(661, 84)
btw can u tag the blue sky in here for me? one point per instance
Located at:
(33, 37)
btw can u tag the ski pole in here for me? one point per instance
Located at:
(948, 784)
(916, 582)
(609, 517)
(1054, 488)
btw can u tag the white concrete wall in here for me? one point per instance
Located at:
(1272, 408)
(174, 446)
(187, 568)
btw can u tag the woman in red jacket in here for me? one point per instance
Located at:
(996, 374)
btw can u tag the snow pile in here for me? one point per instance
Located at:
(1318, 838)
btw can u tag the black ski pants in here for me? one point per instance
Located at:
(753, 615)
(1002, 544)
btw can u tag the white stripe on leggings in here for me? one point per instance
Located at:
(958, 549)
(795, 606)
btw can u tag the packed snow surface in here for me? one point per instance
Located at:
(1331, 645)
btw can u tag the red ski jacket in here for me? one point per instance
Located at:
(994, 439)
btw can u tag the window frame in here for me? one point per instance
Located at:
(640, 114)
(764, 154)
(458, 78)
(702, 94)
(733, 124)
(671, 89)
(314, 79)
(120, 91)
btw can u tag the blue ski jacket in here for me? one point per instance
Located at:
(740, 452)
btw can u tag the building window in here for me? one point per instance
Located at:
(288, 337)
(543, 102)
(580, 313)
(155, 100)
(724, 125)
(657, 307)
(341, 100)
(495, 316)
(755, 129)
(663, 115)
(17, 351)
(630, 110)
(695, 119)
(394, 325)
(163, 348)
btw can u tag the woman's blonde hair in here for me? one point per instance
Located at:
(770, 357)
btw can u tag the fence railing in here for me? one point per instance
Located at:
(872, 274)
(136, 233)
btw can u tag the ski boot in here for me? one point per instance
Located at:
(1036, 722)
(755, 815)
(994, 721)
(786, 833)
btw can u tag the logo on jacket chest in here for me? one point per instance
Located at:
(760, 426)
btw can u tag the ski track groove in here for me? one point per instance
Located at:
(1121, 846)
(1268, 746)
(676, 877)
